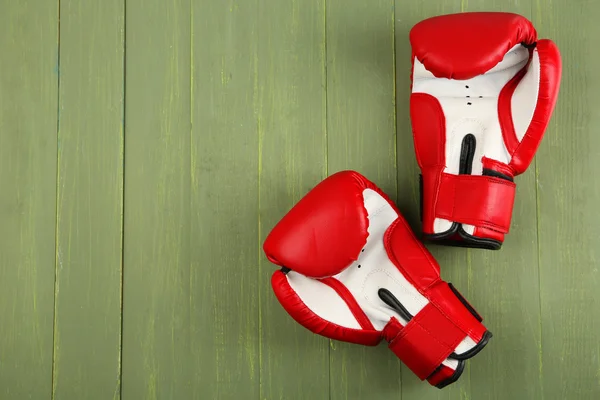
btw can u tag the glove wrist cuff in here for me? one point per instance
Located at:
(475, 210)
(434, 334)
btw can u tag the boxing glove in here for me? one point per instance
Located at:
(352, 270)
(483, 89)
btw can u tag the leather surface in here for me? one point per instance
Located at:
(472, 75)
(311, 238)
(298, 310)
(482, 201)
(438, 325)
(418, 265)
(461, 46)
(426, 341)
(550, 77)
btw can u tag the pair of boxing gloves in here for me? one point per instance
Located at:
(483, 91)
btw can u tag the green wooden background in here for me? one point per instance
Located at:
(147, 147)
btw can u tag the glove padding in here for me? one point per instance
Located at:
(353, 271)
(483, 91)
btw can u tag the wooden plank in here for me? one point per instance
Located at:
(28, 118)
(156, 282)
(361, 136)
(291, 82)
(224, 206)
(568, 197)
(453, 261)
(87, 332)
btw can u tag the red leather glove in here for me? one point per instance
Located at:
(353, 271)
(483, 90)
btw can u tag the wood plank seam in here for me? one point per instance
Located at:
(57, 260)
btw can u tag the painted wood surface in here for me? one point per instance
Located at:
(28, 157)
(157, 303)
(87, 320)
(147, 147)
(224, 254)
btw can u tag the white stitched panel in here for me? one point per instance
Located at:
(477, 114)
(377, 271)
(525, 97)
(322, 300)
(465, 345)
(450, 363)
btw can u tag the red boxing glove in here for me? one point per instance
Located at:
(483, 90)
(353, 271)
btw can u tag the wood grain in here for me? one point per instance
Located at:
(87, 332)
(361, 136)
(294, 362)
(568, 198)
(28, 118)
(224, 280)
(157, 268)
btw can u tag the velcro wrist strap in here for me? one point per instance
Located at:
(483, 201)
(427, 340)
